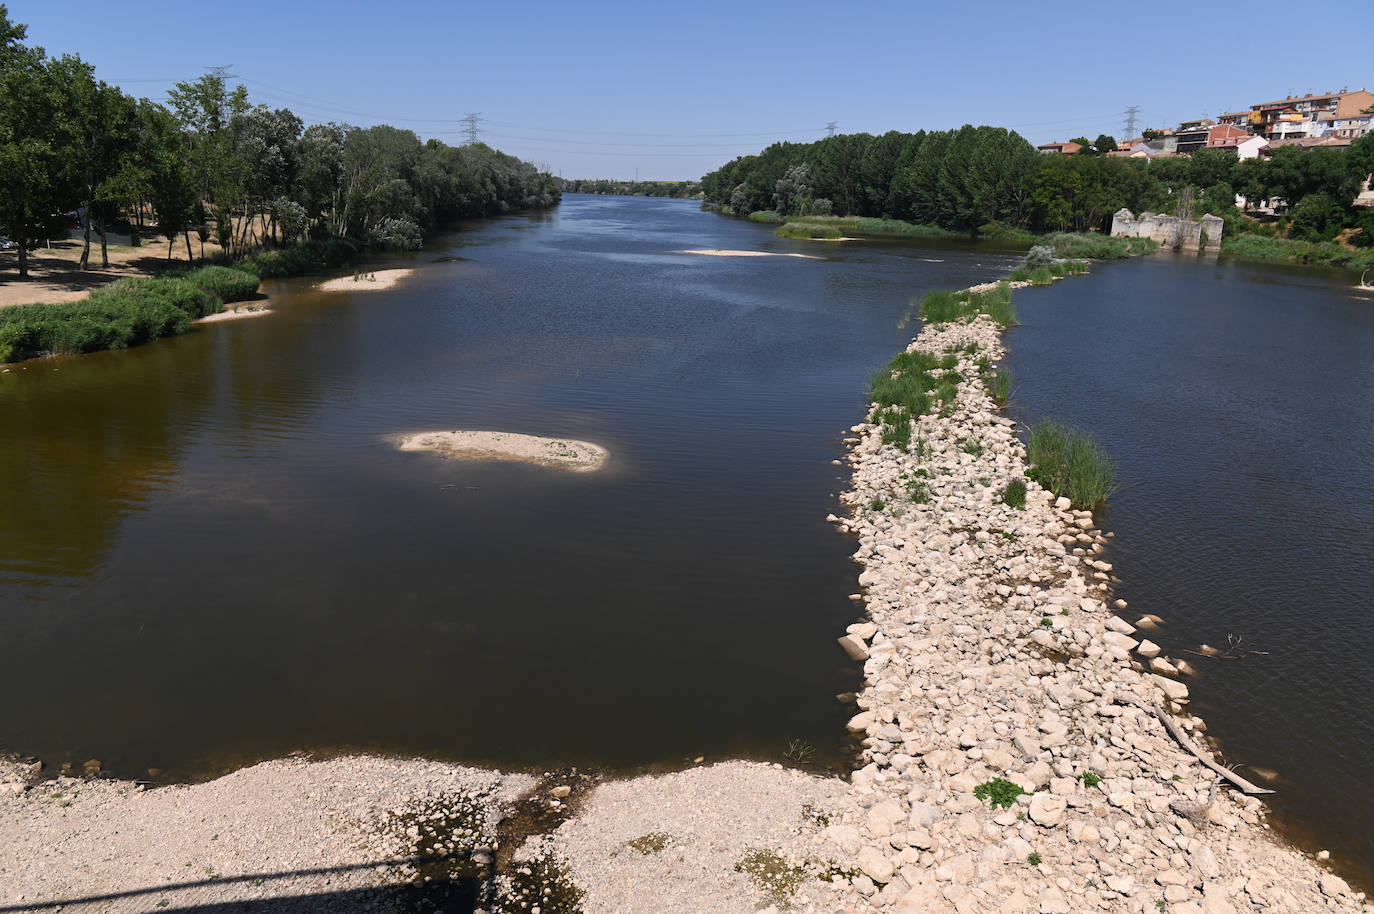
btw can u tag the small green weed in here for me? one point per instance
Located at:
(651, 843)
(1034, 858)
(1014, 495)
(1090, 779)
(777, 879)
(799, 751)
(973, 447)
(999, 792)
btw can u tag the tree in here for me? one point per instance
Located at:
(1105, 144)
(792, 192)
(32, 141)
(101, 134)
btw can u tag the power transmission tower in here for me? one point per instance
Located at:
(1131, 112)
(470, 127)
(830, 128)
(221, 73)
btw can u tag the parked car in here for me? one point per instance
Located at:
(7, 244)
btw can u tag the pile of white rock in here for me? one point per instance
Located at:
(991, 657)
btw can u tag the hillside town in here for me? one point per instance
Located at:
(1331, 120)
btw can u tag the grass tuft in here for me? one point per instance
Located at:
(1014, 494)
(1070, 463)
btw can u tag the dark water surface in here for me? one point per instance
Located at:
(1238, 400)
(211, 554)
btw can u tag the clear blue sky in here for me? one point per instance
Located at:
(600, 89)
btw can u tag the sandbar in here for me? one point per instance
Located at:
(369, 281)
(235, 314)
(720, 252)
(563, 453)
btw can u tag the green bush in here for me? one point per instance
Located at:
(1020, 274)
(1041, 276)
(1015, 494)
(306, 257)
(768, 216)
(135, 292)
(808, 230)
(228, 284)
(1070, 463)
(27, 331)
(896, 426)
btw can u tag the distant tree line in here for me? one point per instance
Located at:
(977, 179)
(687, 189)
(212, 163)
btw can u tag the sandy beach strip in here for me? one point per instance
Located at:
(722, 252)
(235, 314)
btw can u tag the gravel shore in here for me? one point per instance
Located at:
(991, 653)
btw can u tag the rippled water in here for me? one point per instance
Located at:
(210, 553)
(1237, 399)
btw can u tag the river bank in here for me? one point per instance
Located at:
(996, 671)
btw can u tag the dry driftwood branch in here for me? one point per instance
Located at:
(1187, 743)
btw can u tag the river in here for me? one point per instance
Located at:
(211, 552)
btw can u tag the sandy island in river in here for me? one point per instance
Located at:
(370, 281)
(564, 453)
(720, 252)
(235, 314)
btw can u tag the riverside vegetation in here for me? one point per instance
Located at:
(279, 198)
(990, 182)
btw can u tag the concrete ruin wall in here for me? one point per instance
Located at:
(1170, 231)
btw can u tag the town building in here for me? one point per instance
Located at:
(1329, 114)
(1068, 149)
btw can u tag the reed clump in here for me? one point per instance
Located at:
(1070, 463)
(808, 231)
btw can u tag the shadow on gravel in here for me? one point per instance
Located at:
(450, 896)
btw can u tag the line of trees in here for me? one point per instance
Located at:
(676, 189)
(975, 179)
(211, 162)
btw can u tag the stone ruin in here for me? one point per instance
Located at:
(1170, 231)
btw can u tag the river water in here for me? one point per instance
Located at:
(210, 552)
(1237, 399)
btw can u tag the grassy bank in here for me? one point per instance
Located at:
(125, 313)
(133, 311)
(1327, 253)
